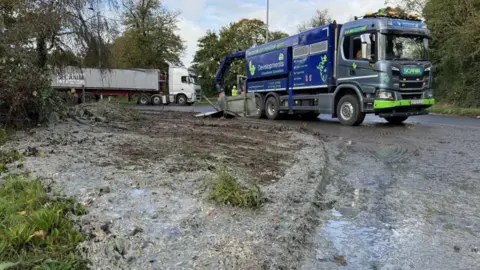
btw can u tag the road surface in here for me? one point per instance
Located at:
(405, 197)
(369, 120)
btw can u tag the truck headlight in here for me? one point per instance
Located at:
(382, 94)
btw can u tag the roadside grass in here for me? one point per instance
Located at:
(35, 232)
(226, 190)
(444, 108)
(6, 158)
(4, 136)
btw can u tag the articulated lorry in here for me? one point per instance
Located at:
(377, 64)
(148, 85)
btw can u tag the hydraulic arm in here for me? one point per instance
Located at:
(224, 66)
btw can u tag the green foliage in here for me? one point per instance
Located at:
(227, 190)
(24, 79)
(4, 136)
(455, 27)
(34, 230)
(213, 47)
(149, 40)
(321, 17)
(7, 158)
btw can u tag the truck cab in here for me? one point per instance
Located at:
(183, 85)
(385, 61)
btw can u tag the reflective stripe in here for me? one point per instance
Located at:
(358, 77)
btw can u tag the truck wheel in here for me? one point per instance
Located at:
(88, 98)
(348, 111)
(271, 108)
(260, 107)
(156, 100)
(182, 100)
(396, 120)
(143, 100)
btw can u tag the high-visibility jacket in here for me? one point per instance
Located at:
(234, 91)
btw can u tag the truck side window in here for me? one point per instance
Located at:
(352, 47)
(346, 48)
(184, 79)
(357, 48)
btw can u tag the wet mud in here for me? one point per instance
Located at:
(371, 197)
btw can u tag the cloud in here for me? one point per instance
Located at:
(198, 16)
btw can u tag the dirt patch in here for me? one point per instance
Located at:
(146, 189)
(189, 144)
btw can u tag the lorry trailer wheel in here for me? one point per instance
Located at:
(348, 111)
(396, 120)
(271, 108)
(182, 100)
(260, 107)
(88, 98)
(157, 100)
(143, 100)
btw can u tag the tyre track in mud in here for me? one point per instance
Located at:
(301, 239)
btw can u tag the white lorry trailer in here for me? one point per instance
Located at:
(149, 86)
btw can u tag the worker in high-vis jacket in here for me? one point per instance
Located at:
(234, 91)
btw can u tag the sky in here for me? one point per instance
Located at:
(198, 16)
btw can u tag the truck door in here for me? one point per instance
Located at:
(357, 56)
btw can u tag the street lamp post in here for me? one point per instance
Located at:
(268, 7)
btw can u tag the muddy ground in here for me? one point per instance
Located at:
(146, 183)
(370, 197)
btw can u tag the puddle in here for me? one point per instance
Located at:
(362, 247)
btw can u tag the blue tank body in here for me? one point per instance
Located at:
(298, 62)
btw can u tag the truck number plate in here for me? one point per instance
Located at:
(416, 102)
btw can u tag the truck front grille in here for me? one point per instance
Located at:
(412, 96)
(410, 83)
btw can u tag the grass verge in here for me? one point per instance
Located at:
(6, 158)
(442, 108)
(227, 190)
(4, 136)
(35, 232)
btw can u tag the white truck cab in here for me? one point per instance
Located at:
(183, 85)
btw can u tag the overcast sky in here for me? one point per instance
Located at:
(201, 15)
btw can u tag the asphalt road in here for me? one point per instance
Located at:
(438, 120)
(406, 197)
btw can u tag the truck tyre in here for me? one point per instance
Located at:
(271, 108)
(156, 100)
(143, 100)
(260, 104)
(182, 100)
(396, 120)
(88, 98)
(348, 111)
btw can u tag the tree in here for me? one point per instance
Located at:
(149, 40)
(33, 36)
(213, 47)
(321, 17)
(455, 27)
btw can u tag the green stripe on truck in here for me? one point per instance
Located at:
(385, 104)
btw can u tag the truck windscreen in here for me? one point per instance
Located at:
(403, 47)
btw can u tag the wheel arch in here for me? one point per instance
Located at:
(343, 90)
(272, 94)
